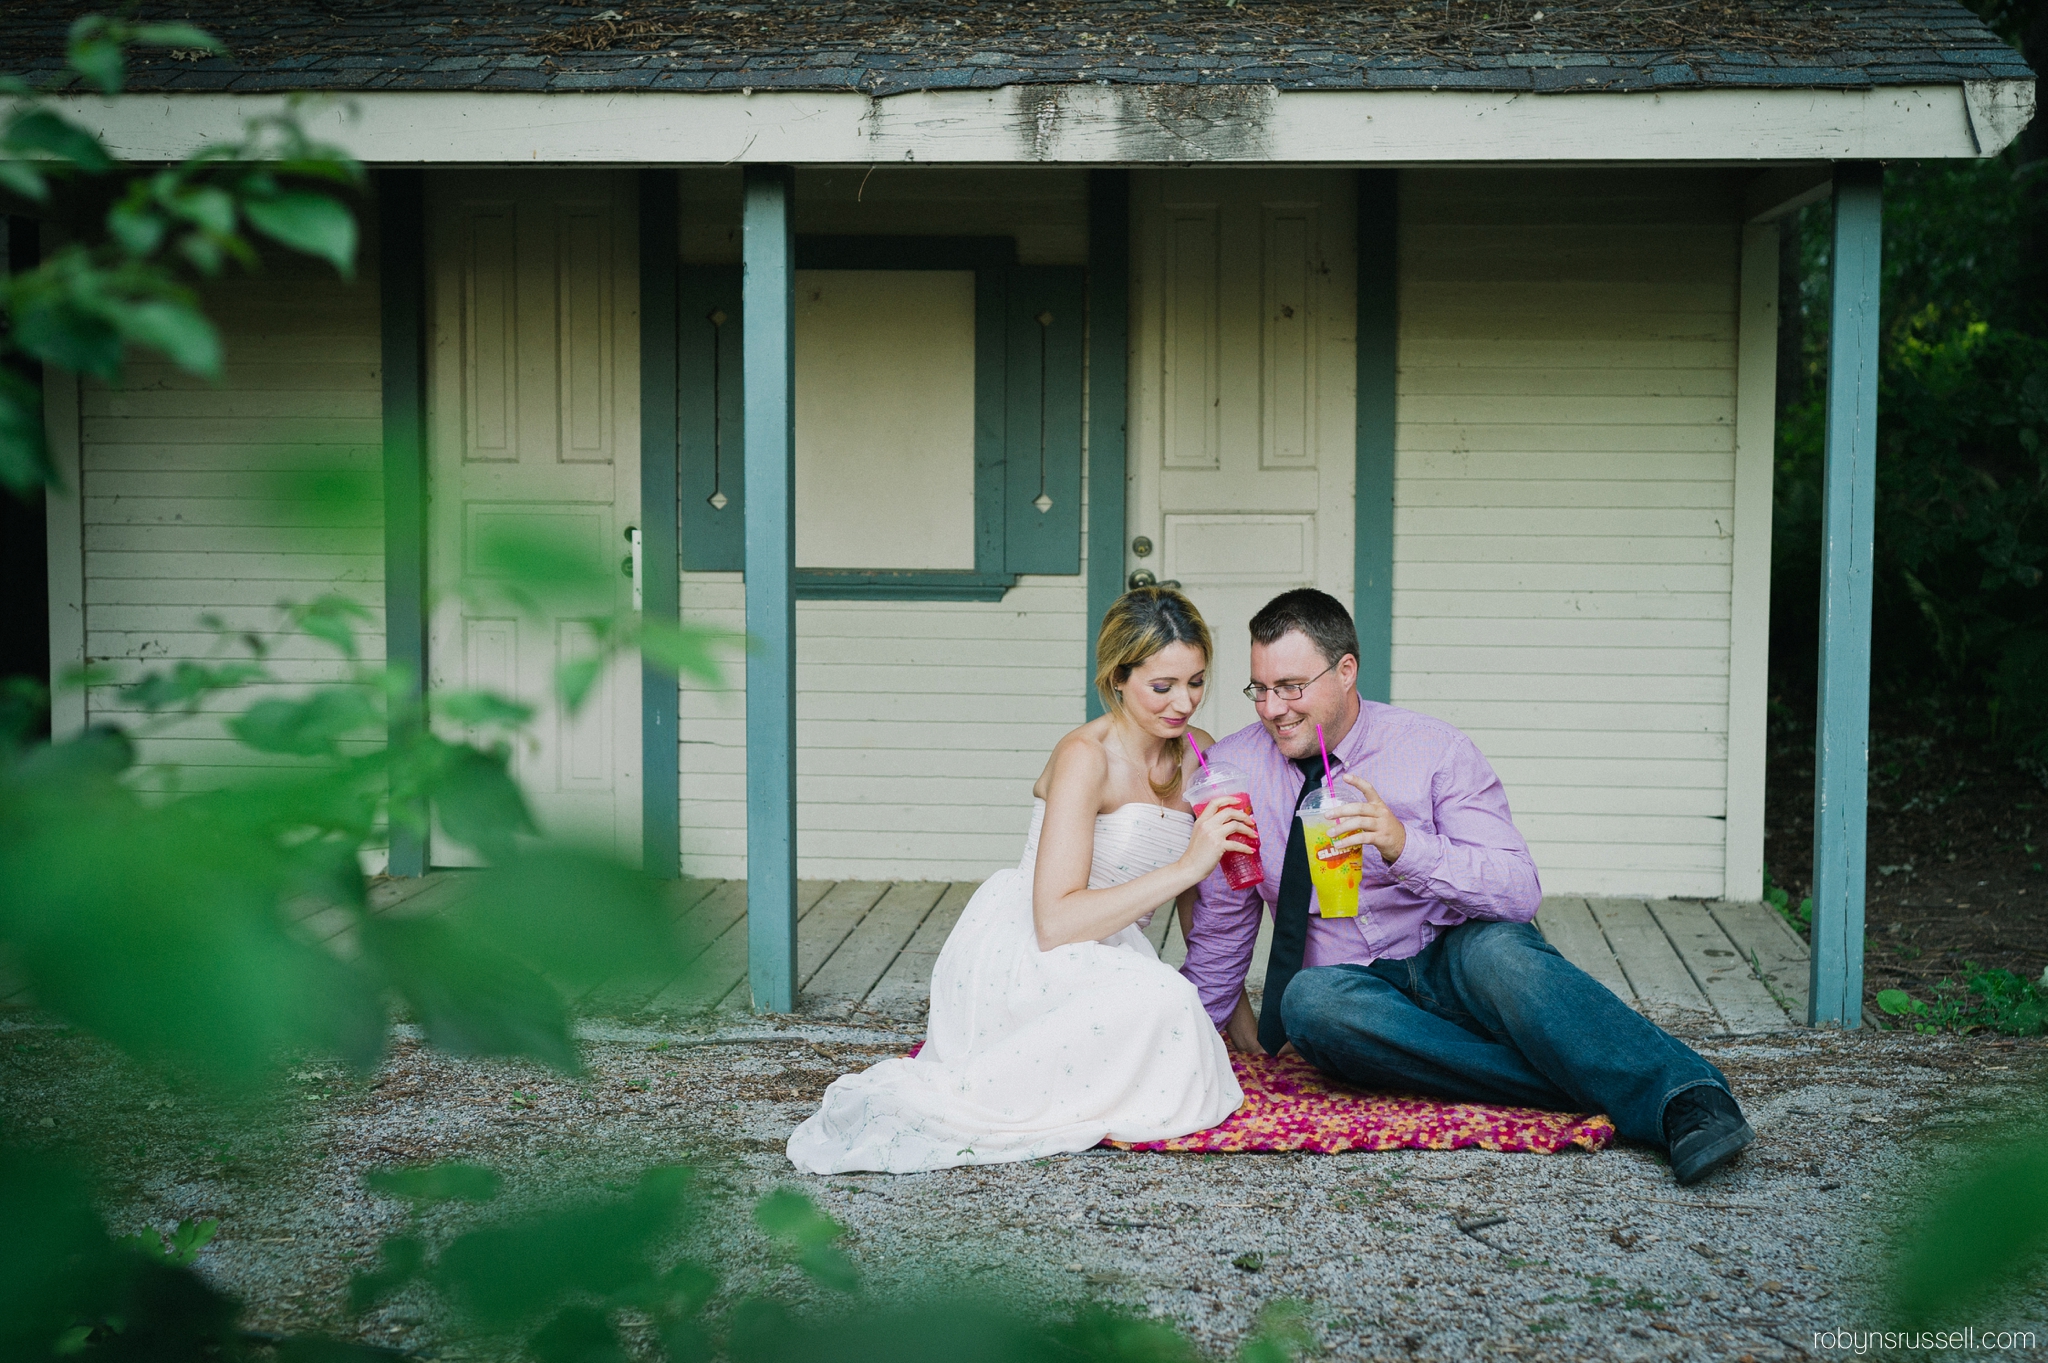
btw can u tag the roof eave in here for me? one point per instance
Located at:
(1090, 124)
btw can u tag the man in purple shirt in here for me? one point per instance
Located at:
(1440, 985)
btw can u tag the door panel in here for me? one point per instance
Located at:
(1243, 396)
(534, 309)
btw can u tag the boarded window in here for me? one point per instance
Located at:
(885, 419)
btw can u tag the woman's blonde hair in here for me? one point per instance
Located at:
(1137, 625)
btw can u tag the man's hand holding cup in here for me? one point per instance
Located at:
(1367, 822)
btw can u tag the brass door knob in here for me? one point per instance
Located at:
(1142, 577)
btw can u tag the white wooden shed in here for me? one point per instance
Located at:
(907, 337)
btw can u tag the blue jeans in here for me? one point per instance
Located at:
(1491, 1013)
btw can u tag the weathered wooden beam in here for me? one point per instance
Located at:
(660, 540)
(768, 252)
(1103, 125)
(1848, 503)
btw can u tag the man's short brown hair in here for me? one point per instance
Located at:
(1319, 616)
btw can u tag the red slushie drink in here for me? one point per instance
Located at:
(1221, 783)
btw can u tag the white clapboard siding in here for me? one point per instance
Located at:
(225, 500)
(1564, 506)
(920, 728)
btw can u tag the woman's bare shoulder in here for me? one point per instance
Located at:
(1077, 758)
(1201, 737)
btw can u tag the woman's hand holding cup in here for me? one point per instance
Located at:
(1220, 828)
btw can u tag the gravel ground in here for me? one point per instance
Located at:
(1596, 1255)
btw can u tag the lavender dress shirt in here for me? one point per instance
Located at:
(1464, 858)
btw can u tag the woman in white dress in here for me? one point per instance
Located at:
(1053, 1022)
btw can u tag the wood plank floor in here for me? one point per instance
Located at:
(1732, 967)
(870, 946)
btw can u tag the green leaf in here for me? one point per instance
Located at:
(206, 206)
(311, 223)
(181, 332)
(309, 727)
(19, 177)
(794, 1219)
(56, 330)
(1897, 1002)
(203, 253)
(621, 930)
(468, 997)
(24, 458)
(575, 678)
(479, 803)
(577, 1334)
(136, 227)
(1283, 1335)
(168, 939)
(177, 35)
(542, 564)
(687, 649)
(328, 619)
(1982, 1230)
(522, 1269)
(56, 1263)
(46, 133)
(188, 682)
(828, 1266)
(481, 709)
(180, 1248)
(687, 1287)
(99, 60)
(403, 1259)
(427, 1185)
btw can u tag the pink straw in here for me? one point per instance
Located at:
(1328, 780)
(1199, 755)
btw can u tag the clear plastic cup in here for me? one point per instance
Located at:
(1334, 877)
(1221, 783)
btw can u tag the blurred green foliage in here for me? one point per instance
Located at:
(1961, 617)
(1981, 1231)
(168, 921)
(89, 302)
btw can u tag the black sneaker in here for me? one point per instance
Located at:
(1703, 1128)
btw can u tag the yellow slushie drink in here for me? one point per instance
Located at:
(1336, 877)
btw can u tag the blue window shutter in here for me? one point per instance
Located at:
(1043, 331)
(709, 421)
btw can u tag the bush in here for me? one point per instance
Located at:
(1961, 615)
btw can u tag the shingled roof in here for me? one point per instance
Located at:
(887, 47)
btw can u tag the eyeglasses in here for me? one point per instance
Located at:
(1257, 694)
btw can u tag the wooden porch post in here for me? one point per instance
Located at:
(768, 296)
(402, 299)
(1372, 588)
(660, 514)
(1109, 306)
(1849, 499)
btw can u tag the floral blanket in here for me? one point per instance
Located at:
(1289, 1105)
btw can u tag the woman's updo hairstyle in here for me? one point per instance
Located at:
(1137, 625)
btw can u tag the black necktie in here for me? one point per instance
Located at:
(1290, 917)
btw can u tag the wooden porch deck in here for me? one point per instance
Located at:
(869, 945)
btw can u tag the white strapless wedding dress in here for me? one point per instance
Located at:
(1033, 1052)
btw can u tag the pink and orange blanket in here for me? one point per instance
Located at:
(1290, 1105)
